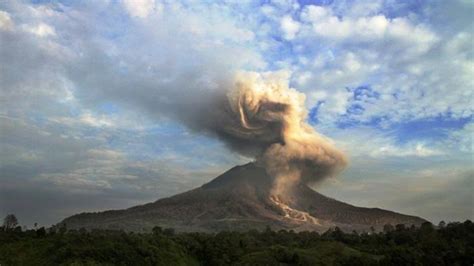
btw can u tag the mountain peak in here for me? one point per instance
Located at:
(248, 174)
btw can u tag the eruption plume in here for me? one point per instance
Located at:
(266, 118)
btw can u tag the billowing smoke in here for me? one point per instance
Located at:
(260, 115)
(256, 114)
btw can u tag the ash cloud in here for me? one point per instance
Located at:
(256, 114)
(259, 115)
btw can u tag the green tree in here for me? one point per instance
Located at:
(442, 224)
(388, 228)
(10, 222)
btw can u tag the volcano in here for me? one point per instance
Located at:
(242, 199)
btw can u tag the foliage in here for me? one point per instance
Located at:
(10, 222)
(451, 244)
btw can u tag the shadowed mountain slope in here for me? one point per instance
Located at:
(241, 199)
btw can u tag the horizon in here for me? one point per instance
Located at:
(101, 100)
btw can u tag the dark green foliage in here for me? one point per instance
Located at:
(10, 222)
(90, 248)
(451, 244)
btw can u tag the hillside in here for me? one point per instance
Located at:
(241, 199)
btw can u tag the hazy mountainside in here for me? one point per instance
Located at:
(240, 199)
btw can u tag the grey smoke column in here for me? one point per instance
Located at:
(260, 115)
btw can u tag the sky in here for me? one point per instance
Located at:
(93, 95)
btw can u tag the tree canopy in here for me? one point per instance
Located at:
(452, 244)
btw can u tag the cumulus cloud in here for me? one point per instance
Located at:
(367, 29)
(289, 27)
(407, 61)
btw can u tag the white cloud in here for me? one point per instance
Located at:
(314, 14)
(411, 149)
(85, 119)
(365, 142)
(336, 103)
(367, 29)
(42, 30)
(6, 22)
(362, 8)
(418, 71)
(462, 139)
(302, 78)
(139, 8)
(289, 27)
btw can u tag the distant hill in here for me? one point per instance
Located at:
(241, 199)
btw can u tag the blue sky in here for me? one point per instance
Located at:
(96, 98)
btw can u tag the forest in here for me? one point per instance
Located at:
(444, 244)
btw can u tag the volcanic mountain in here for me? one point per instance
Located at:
(241, 199)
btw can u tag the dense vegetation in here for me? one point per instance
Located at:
(451, 244)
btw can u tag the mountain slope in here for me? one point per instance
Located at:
(241, 199)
